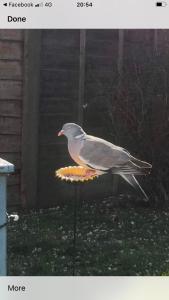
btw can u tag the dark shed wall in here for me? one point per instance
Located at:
(11, 84)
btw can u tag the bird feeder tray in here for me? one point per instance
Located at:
(76, 174)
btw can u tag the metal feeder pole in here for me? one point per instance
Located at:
(76, 203)
(5, 169)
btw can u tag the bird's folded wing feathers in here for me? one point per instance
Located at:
(102, 155)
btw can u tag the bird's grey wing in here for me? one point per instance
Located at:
(102, 155)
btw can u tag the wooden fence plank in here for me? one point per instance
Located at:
(11, 34)
(11, 108)
(9, 125)
(10, 89)
(10, 70)
(10, 50)
(10, 143)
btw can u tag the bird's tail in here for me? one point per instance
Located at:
(134, 183)
(141, 164)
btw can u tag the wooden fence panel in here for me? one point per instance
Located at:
(11, 85)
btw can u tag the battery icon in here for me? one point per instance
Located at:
(161, 4)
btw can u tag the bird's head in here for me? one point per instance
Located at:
(71, 130)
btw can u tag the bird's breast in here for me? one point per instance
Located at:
(74, 150)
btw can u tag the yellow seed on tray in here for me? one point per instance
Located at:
(76, 173)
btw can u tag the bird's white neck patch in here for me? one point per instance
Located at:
(79, 136)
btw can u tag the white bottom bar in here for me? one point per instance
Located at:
(85, 288)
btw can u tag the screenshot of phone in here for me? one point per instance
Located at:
(84, 149)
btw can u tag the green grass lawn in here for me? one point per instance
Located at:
(110, 240)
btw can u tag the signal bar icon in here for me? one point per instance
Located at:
(39, 4)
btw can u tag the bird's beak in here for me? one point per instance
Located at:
(61, 132)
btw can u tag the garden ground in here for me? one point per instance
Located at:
(111, 239)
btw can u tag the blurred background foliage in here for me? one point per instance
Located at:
(133, 104)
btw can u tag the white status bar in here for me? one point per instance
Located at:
(84, 14)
